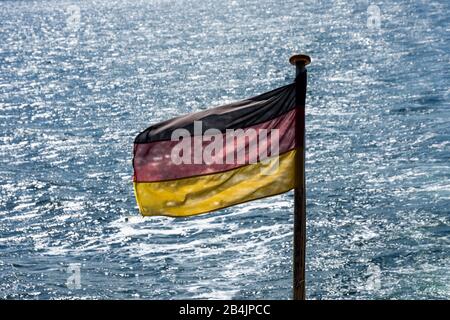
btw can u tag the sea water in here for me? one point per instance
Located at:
(79, 80)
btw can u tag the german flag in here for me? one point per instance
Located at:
(217, 158)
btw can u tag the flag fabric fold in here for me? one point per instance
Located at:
(217, 158)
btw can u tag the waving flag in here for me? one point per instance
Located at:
(217, 158)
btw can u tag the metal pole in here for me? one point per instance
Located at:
(300, 61)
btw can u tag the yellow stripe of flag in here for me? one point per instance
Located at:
(196, 195)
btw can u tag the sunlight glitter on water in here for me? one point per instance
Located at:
(72, 101)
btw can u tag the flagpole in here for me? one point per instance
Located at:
(300, 61)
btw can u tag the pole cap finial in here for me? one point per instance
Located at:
(300, 58)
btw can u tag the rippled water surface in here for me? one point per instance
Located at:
(75, 92)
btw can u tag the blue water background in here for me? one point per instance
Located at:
(73, 95)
